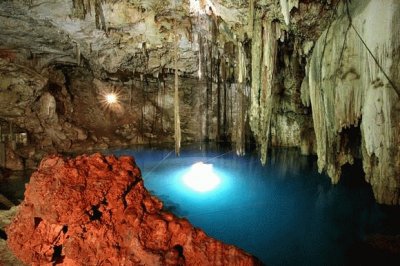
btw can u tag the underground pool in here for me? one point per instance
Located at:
(285, 212)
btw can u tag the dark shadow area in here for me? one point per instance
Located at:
(37, 221)
(3, 234)
(57, 258)
(179, 248)
(350, 139)
(375, 250)
(13, 186)
(353, 175)
(65, 229)
(95, 214)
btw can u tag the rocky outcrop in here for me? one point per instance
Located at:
(6, 256)
(95, 210)
(353, 87)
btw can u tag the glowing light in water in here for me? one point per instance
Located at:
(201, 177)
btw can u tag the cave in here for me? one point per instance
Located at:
(199, 132)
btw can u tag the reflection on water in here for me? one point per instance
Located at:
(285, 213)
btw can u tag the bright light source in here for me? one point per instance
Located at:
(111, 98)
(201, 177)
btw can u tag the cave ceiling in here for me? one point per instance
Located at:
(117, 39)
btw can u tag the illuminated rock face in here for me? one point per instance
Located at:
(353, 88)
(95, 210)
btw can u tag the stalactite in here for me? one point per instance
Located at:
(161, 98)
(286, 7)
(78, 54)
(285, 10)
(131, 87)
(218, 137)
(256, 62)
(200, 60)
(99, 16)
(88, 6)
(176, 96)
(224, 77)
(11, 137)
(251, 18)
(208, 90)
(264, 51)
(78, 9)
(349, 86)
(241, 107)
(143, 106)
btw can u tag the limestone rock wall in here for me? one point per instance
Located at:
(85, 47)
(353, 87)
(27, 102)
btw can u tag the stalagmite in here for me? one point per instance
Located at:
(176, 96)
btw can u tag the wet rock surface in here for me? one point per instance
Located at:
(95, 210)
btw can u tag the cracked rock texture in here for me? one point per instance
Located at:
(95, 210)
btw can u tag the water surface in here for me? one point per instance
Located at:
(285, 212)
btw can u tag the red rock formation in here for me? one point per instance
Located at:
(94, 210)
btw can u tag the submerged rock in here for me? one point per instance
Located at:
(95, 210)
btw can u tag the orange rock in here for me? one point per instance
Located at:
(94, 210)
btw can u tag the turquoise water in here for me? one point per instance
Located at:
(285, 213)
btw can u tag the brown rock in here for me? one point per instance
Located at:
(95, 210)
(13, 160)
